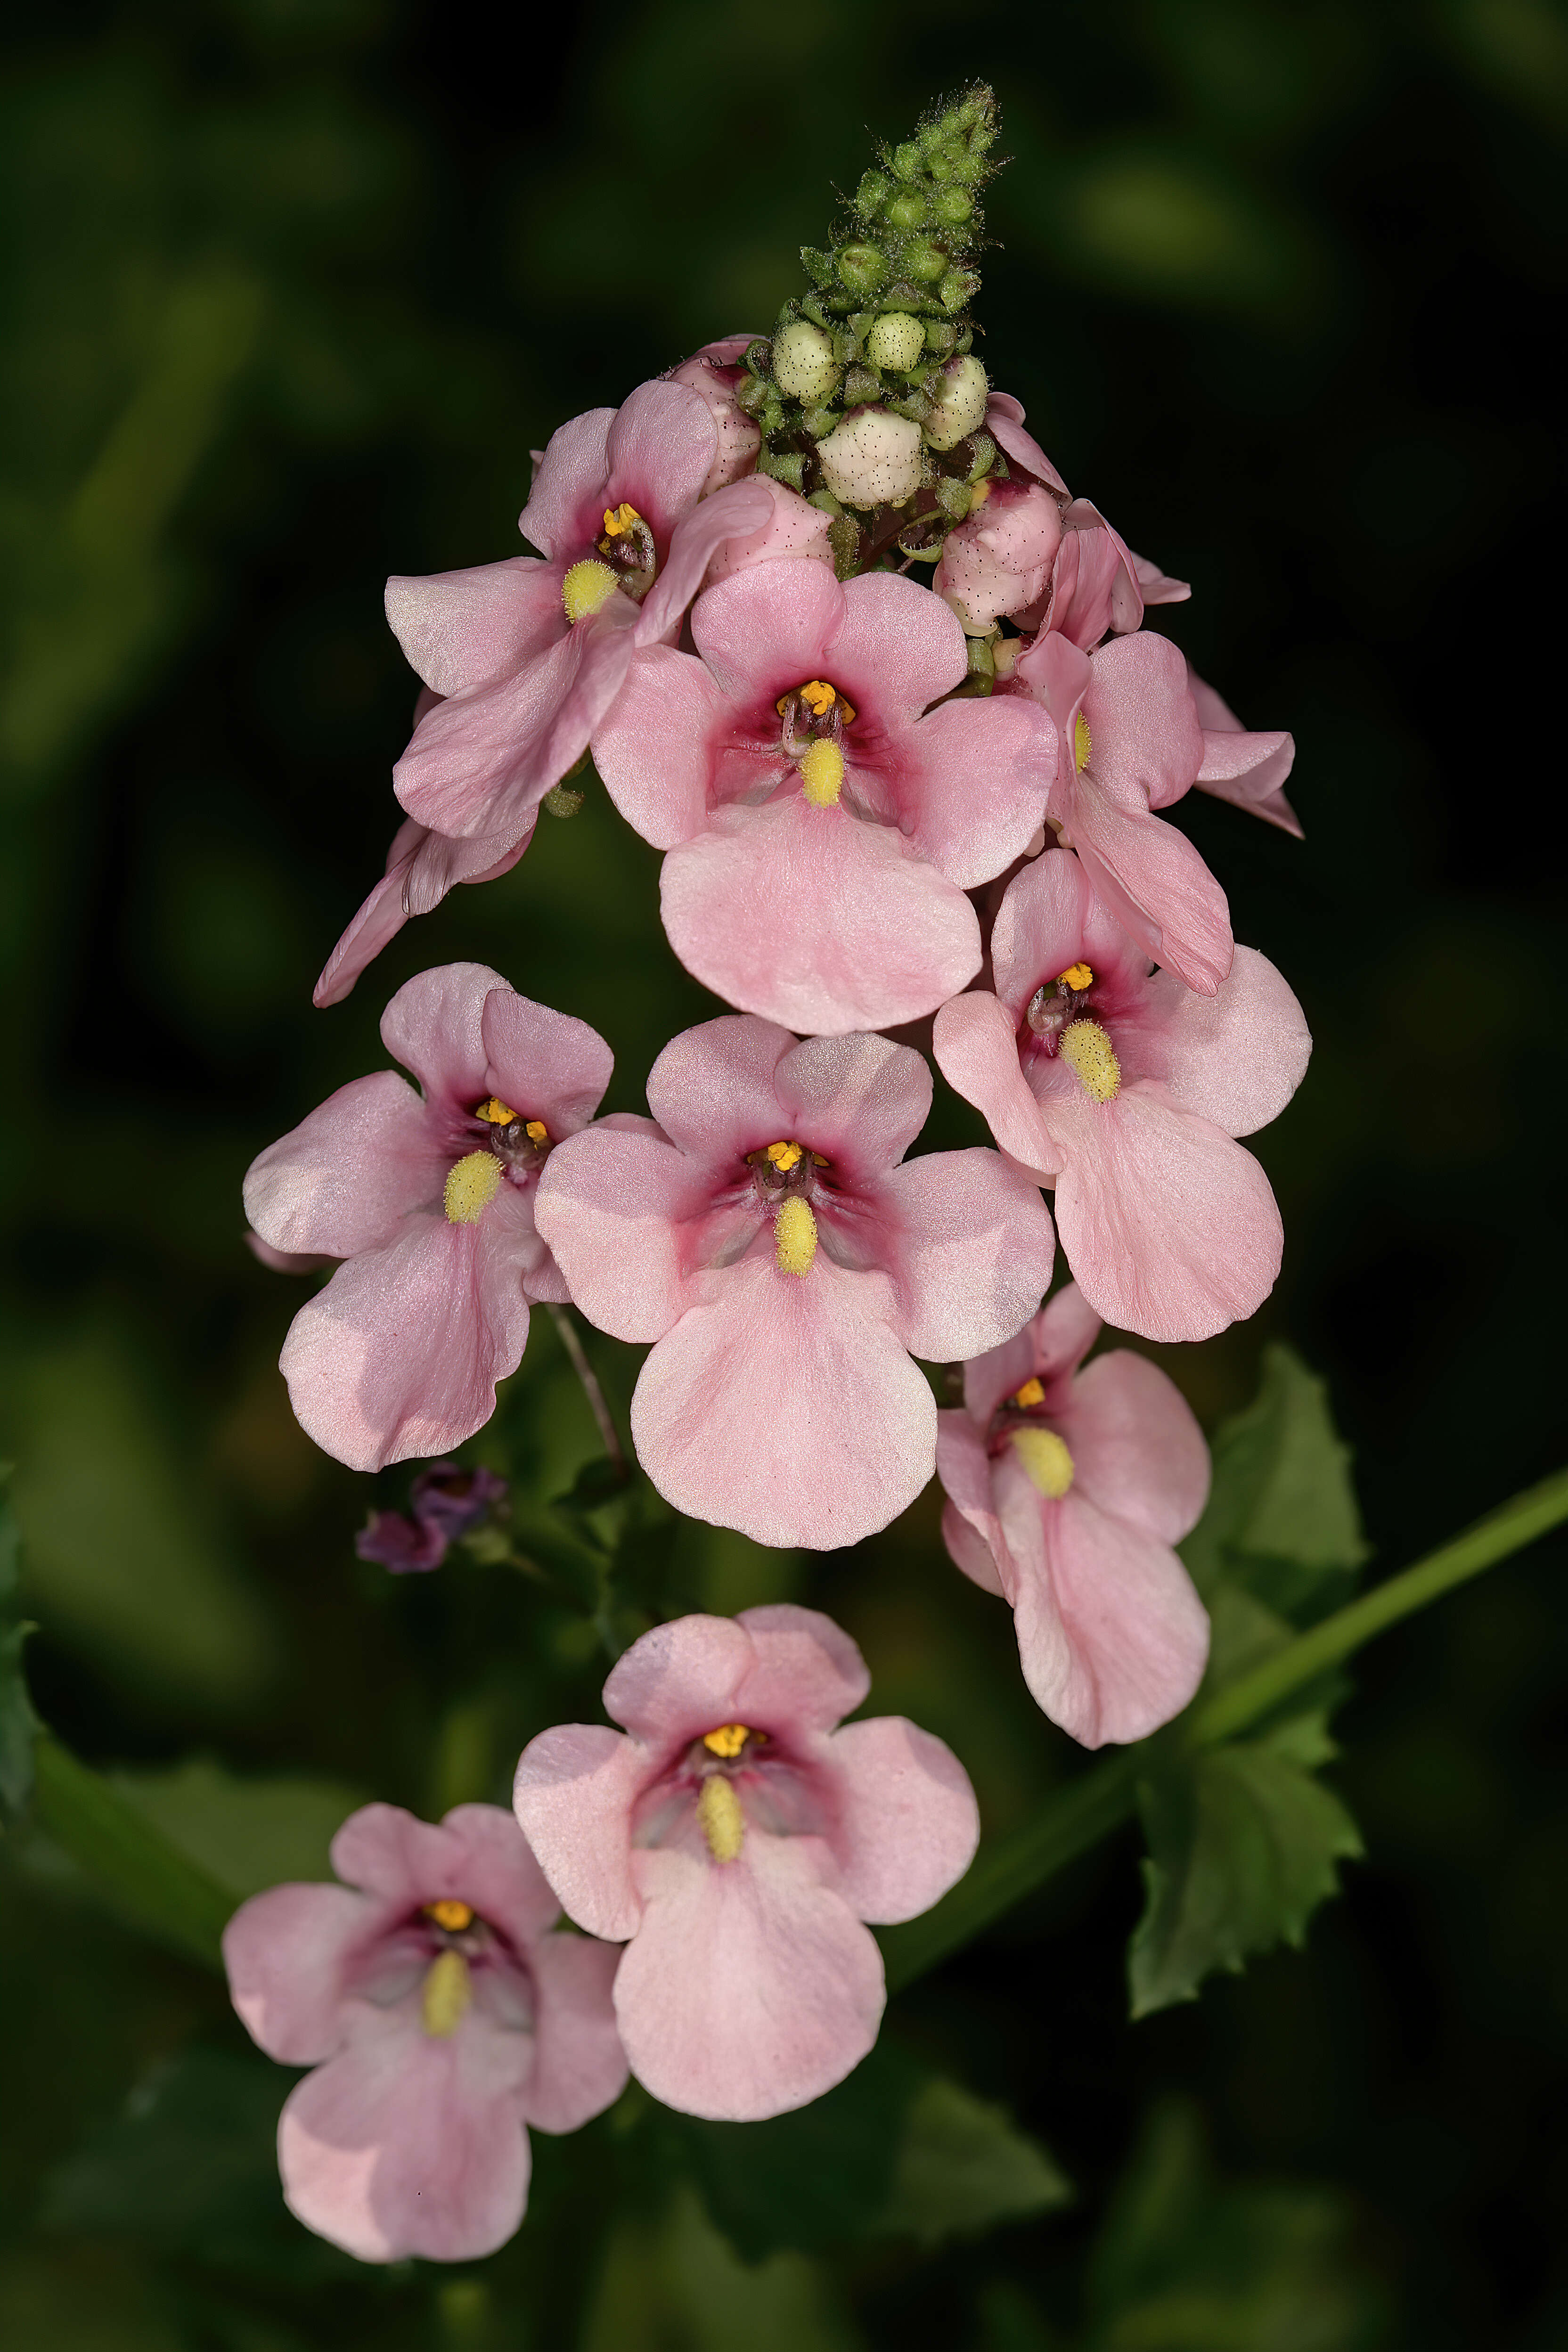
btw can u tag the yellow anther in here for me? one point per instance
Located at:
(496, 1112)
(1046, 1460)
(819, 697)
(450, 1914)
(822, 774)
(1032, 1392)
(728, 1741)
(444, 2003)
(795, 1236)
(1076, 975)
(818, 1161)
(723, 1821)
(587, 586)
(784, 1156)
(1081, 743)
(978, 495)
(619, 519)
(1091, 1057)
(471, 1185)
(536, 1131)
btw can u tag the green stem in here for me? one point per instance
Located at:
(169, 1896)
(1100, 1800)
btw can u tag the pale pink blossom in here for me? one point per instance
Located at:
(737, 1841)
(824, 821)
(1067, 1490)
(998, 559)
(429, 1200)
(713, 374)
(1125, 1088)
(441, 2020)
(527, 654)
(1129, 743)
(765, 1235)
(1238, 766)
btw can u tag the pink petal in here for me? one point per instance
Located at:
(976, 1049)
(1048, 918)
(662, 441)
(976, 776)
(895, 650)
(1004, 422)
(579, 2066)
(811, 918)
(399, 1355)
(740, 513)
(279, 1261)
(767, 629)
(1157, 885)
(859, 1100)
(1094, 587)
(680, 1679)
(805, 1675)
(486, 1861)
(1170, 1228)
(392, 1853)
(574, 1795)
(1147, 745)
(909, 1824)
(563, 514)
(344, 1177)
(967, 1547)
(786, 1407)
(1235, 1058)
(1112, 1638)
(793, 528)
(1156, 586)
(972, 1252)
(421, 867)
(714, 1089)
(289, 1953)
(751, 1987)
(543, 1065)
(1049, 1348)
(440, 861)
(656, 749)
(459, 629)
(970, 1525)
(1248, 769)
(407, 2144)
(612, 1205)
(1136, 1449)
(433, 1026)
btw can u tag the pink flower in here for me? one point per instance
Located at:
(440, 2019)
(429, 1200)
(765, 1237)
(1066, 1492)
(444, 1504)
(714, 373)
(1130, 742)
(822, 832)
(1249, 769)
(1126, 1088)
(529, 655)
(736, 1839)
(998, 559)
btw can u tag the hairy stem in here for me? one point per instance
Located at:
(1100, 1800)
(562, 1319)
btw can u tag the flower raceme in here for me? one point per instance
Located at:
(768, 1237)
(1125, 1088)
(1065, 1491)
(444, 1503)
(823, 822)
(735, 1840)
(428, 1201)
(442, 2019)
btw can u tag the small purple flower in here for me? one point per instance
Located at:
(447, 1502)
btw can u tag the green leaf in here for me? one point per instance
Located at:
(246, 1834)
(191, 2168)
(1243, 1844)
(676, 2281)
(1282, 1519)
(963, 2167)
(18, 1723)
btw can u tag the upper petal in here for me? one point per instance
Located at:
(460, 628)
(714, 1089)
(1146, 743)
(344, 1179)
(486, 1861)
(738, 512)
(806, 1673)
(896, 648)
(971, 1251)
(767, 629)
(859, 1100)
(433, 1026)
(1138, 1451)
(1150, 877)
(1049, 1348)
(662, 440)
(975, 780)
(909, 1824)
(680, 1679)
(1004, 422)
(543, 1065)
(574, 1794)
(562, 513)
(656, 748)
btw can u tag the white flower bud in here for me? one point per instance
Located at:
(803, 365)
(960, 405)
(896, 341)
(873, 459)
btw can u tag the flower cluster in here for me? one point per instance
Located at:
(843, 646)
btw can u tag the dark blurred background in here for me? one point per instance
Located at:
(295, 286)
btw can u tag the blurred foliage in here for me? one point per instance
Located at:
(295, 286)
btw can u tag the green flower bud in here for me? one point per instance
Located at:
(926, 263)
(872, 193)
(952, 205)
(803, 365)
(907, 211)
(758, 357)
(844, 539)
(561, 800)
(908, 159)
(861, 268)
(861, 385)
(954, 497)
(753, 393)
(960, 408)
(827, 501)
(788, 466)
(984, 456)
(940, 336)
(820, 422)
(958, 288)
(896, 341)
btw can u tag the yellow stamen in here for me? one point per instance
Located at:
(818, 1161)
(822, 774)
(1091, 1057)
(496, 1112)
(978, 495)
(443, 2002)
(818, 695)
(1081, 743)
(471, 1185)
(619, 519)
(1046, 1460)
(1076, 975)
(795, 1236)
(783, 1156)
(728, 1741)
(450, 1914)
(536, 1131)
(724, 1824)
(587, 586)
(1032, 1392)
